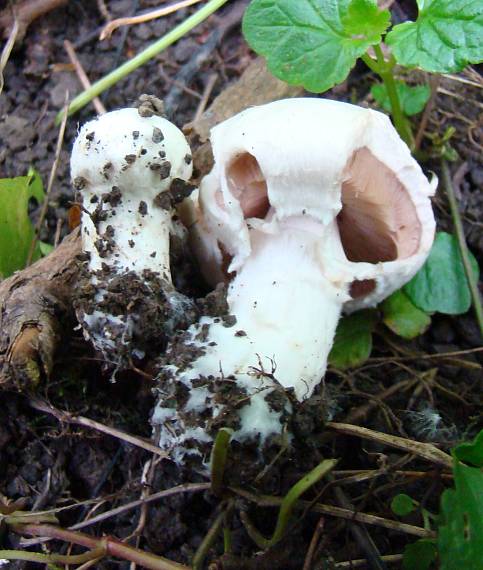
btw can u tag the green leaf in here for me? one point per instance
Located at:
(402, 505)
(419, 555)
(413, 98)
(460, 533)
(441, 284)
(353, 340)
(445, 37)
(471, 452)
(314, 43)
(16, 230)
(402, 317)
(45, 248)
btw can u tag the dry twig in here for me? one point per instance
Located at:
(425, 450)
(7, 50)
(82, 75)
(69, 418)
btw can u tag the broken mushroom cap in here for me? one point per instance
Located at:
(312, 207)
(322, 160)
(129, 170)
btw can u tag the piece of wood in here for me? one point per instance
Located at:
(35, 311)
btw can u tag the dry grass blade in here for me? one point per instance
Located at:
(476, 80)
(425, 450)
(106, 32)
(53, 170)
(390, 558)
(443, 355)
(7, 50)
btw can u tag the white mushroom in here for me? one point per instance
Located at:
(128, 169)
(313, 207)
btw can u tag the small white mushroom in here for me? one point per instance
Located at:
(129, 170)
(313, 207)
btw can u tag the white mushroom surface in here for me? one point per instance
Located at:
(313, 207)
(127, 168)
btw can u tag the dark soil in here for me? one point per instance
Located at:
(51, 464)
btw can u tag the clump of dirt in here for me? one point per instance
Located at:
(146, 311)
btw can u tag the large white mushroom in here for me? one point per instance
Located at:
(313, 207)
(130, 167)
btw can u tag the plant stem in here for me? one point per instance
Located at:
(154, 49)
(208, 541)
(400, 121)
(385, 71)
(111, 546)
(287, 505)
(52, 558)
(458, 226)
(218, 460)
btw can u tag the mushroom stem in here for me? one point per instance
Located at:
(283, 313)
(286, 313)
(123, 249)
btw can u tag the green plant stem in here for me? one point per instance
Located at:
(151, 51)
(208, 541)
(458, 226)
(20, 517)
(288, 504)
(385, 71)
(218, 460)
(227, 542)
(52, 558)
(110, 545)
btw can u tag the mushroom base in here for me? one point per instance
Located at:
(128, 316)
(188, 418)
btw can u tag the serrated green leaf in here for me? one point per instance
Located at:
(445, 37)
(471, 452)
(419, 555)
(16, 230)
(404, 318)
(313, 43)
(353, 340)
(413, 98)
(460, 532)
(441, 284)
(402, 505)
(364, 19)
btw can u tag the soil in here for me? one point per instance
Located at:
(49, 464)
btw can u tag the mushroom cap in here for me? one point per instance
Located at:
(139, 154)
(324, 161)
